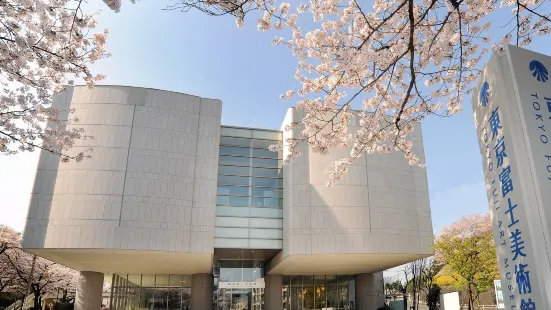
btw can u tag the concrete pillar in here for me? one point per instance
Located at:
(272, 292)
(89, 288)
(201, 291)
(369, 291)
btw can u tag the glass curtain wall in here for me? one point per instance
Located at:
(249, 175)
(239, 298)
(152, 292)
(315, 292)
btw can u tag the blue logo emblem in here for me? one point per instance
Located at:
(484, 94)
(539, 71)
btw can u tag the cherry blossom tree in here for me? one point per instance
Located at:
(395, 61)
(9, 239)
(469, 226)
(467, 248)
(45, 278)
(44, 44)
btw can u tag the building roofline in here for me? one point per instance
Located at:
(251, 128)
(151, 88)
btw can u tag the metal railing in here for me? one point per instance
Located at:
(16, 305)
(29, 303)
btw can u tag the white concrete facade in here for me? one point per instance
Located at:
(376, 218)
(150, 201)
(149, 186)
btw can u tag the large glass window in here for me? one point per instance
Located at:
(265, 172)
(296, 293)
(236, 161)
(266, 202)
(152, 292)
(249, 175)
(235, 151)
(332, 292)
(315, 292)
(266, 192)
(308, 291)
(343, 292)
(233, 201)
(320, 297)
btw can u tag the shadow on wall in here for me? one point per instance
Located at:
(40, 204)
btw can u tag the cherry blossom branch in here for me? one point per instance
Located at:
(400, 62)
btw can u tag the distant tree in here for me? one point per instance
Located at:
(429, 276)
(17, 274)
(468, 249)
(433, 297)
(9, 239)
(417, 282)
(393, 287)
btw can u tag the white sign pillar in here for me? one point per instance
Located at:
(512, 111)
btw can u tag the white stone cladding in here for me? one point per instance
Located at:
(150, 184)
(376, 217)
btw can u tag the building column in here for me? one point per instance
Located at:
(89, 290)
(272, 292)
(202, 286)
(369, 293)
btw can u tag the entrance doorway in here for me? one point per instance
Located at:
(240, 298)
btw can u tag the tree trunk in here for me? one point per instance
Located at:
(471, 298)
(37, 304)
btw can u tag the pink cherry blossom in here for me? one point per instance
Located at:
(396, 61)
(44, 43)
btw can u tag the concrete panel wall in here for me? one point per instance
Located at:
(151, 181)
(381, 205)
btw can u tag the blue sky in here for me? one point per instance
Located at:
(210, 57)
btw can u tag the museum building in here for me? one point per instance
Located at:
(175, 211)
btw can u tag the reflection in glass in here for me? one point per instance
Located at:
(296, 293)
(235, 151)
(262, 162)
(233, 190)
(161, 280)
(263, 144)
(161, 299)
(175, 280)
(266, 192)
(235, 132)
(286, 292)
(308, 292)
(174, 298)
(234, 170)
(147, 299)
(343, 292)
(232, 180)
(332, 293)
(157, 292)
(266, 202)
(266, 172)
(235, 141)
(315, 292)
(264, 153)
(266, 182)
(319, 292)
(236, 161)
(233, 201)
(264, 134)
(249, 175)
